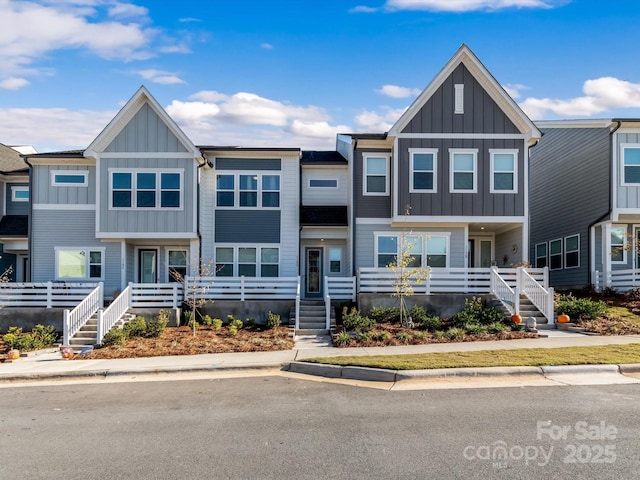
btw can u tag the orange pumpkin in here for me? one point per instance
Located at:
(516, 318)
(563, 318)
(14, 354)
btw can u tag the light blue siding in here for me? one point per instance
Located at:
(43, 192)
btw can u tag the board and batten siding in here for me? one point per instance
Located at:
(569, 185)
(159, 220)
(371, 206)
(627, 196)
(481, 113)
(44, 192)
(446, 203)
(78, 232)
(146, 132)
(15, 208)
(324, 195)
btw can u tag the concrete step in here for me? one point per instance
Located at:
(312, 341)
(311, 332)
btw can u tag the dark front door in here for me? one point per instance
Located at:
(148, 266)
(314, 272)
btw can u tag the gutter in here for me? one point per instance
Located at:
(200, 165)
(29, 221)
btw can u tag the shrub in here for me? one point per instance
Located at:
(136, 327)
(497, 327)
(216, 323)
(580, 308)
(384, 314)
(381, 336)
(475, 310)
(439, 334)
(342, 338)
(454, 333)
(273, 320)
(237, 323)
(431, 323)
(188, 317)
(418, 314)
(364, 336)
(156, 327)
(403, 337)
(115, 337)
(40, 337)
(43, 336)
(419, 335)
(233, 330)
(354, 321)
(475, 328)
(249, 322)
(633, 294)
(207, 320)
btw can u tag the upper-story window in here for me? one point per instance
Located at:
(248, 190)
(20, 193)
(631, 164)
(504, 173)
(422, 165)
(376, 174)
(463, 168)
(146, 189)
(323, 183)
(69, 178)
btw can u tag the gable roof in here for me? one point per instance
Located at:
(465, 56)
(126, 113)
(10, 160)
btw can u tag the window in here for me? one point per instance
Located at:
(555, 254)
(225, 190)
(572, 251)
(79, 264)
(20, 193)
(323, 183)
(463, 170)
(270, 190)
(176, 264)
(224, 262)
(270, 261)
(413, 246)
(335, 260)
(631, 164)
(458, 98)
(69, 178)
(422, 176)
(504, 171)
(247, 261)
(541, 255)
(426, 250)
(146, 189)
(618, 243)
(253, 190)
(387, 248)
(437, 251)
(376, 175)
(248, 190)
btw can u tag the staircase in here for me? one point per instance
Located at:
(87, 335)
(312, 318)
(528, 309)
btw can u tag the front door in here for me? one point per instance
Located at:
(314, 272)
(480, 252)
(148, 266)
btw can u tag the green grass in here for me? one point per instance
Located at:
(624, 313)
(597, 355)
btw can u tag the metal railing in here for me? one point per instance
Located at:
(74, 320)
(108, 317)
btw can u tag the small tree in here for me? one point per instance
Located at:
(194, 291)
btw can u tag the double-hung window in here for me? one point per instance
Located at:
(225, 190)
(422, 250)
(79, 263)
(387, 250)
(437, 251)
(270, 190)
(376, 174)
(504, 173)
(555, 254)
(335, 260)
(463, 168)
(631, 164)
(422, 175)
(247, 261)
(248, 190)
(572, 251)
(541, 255)
(618, 244)
(177, 264)
(146, 189)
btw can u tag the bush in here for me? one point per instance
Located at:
(419, 335)
(136, 327)
(188, 317)
(250, 322)
(475, 328)
(342, 338)
(207, 320)
(580, 308)
(237, 323)
(216, 323)
(454, 333)
(233, 330)
(364, 336)
(156, 327)
(354, 321)
(418, 314)
(404, 337)
(384, 314)
(497, 327)
(273, 320)
(115, 337)
(40, 337)
(43, 336)
(475, 310)
(431, 323)
(381, 336)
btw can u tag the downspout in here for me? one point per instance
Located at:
(198, 192)
(529, 203)
(354, 198)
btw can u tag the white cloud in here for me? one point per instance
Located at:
(189, 20)
(363, 9)
(128, 10)
(394, 91)
(514, 89)
(469, 5)
(266, 46)
(160, 76)
(375, 122)
(316, 129)
(600, 95)
(13, 83)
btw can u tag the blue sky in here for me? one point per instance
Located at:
(295, 72)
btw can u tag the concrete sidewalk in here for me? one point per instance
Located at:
(51, 366)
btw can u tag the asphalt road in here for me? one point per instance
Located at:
(282, 428)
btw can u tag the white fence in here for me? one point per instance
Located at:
(156, 295)
(46, 294)
(540, 296)
(75, 319)
(510, 297)
(620, 280)
(243, 288)
(108, 317)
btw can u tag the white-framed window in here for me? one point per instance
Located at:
(463, 168)
(323, 183)
(541, 255)
(19, 193)
(375, 174)
(335, 260)
(69, 178)
(555, 254)
(248, 261)
(630, 164)
(572, 251)
(437, 248)
(618, 244)
(386, 249)
(458, 98)
(427, 249)
(248, 190)
(423, 170)
(145, 189)
(79, 263)
(177, 264)
(504, 171)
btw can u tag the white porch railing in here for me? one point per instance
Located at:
(510, 297)
(108, 317)
(44, 294)
(337, 288)
(74, 320)
(244, 288)
(156, 295)
(541, 297)
(298, 293)
(620, 280)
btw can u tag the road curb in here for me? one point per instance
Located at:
(579, 369)
(483, 372)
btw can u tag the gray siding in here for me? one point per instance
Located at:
(247, 226)
(627, 197)
(370, 206)
(481, 113)
(43, 192)
(224, 163)
(16, 208)
(146, 132)
(570, 178)
(445, 203)
(504, 243)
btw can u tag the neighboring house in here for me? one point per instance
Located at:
(453, 171)
(14, 223)
(123, 210)
(585, 202)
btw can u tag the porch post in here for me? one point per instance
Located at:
(65, 328)
(49, 295)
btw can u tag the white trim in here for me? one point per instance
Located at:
(424, 239)
(464, 136)
(73, 173)
(168, 249)
(477, 253)
(158, 172)
(63, 206)
(466, 151)
(149, 235)
(236, 263)
(20, 188)
(458, 98)
(171, 155)
(572, 251)
(396, 176)
(88, 250)
(236, 174)
(123, 265)
(413, 219)
(575, 123)
(434, 170)
(323, 187)
(618, 226)
(514, 172)
(56, 162)
(367, 155)
(623, 182)
(561, 254)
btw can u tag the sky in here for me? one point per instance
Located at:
(294, 73)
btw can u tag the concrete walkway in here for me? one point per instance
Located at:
(50, 365)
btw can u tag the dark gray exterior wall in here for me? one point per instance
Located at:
(371, 206)
(16, 208)
(222, 163)
(481, 113)
(445, 203)
(570, 190)
(247, 226)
